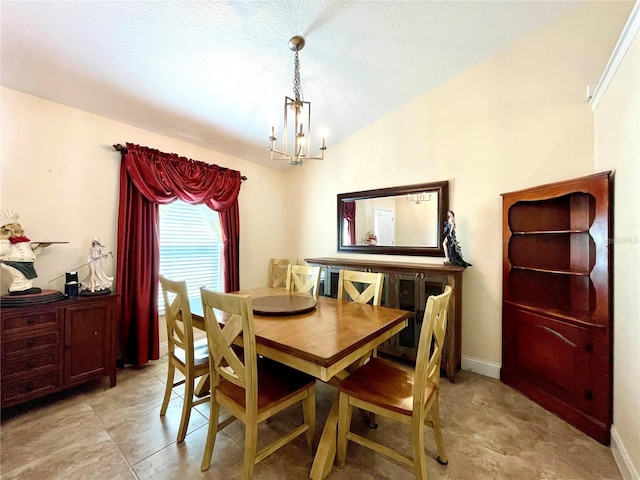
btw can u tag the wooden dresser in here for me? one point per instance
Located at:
(407, 286)
(51, 347)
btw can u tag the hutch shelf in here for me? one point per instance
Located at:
(556, 312)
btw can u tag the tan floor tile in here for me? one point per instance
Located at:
(182, 460)
(97, 432)
(578, 456)
(93, 457)
(129, 397)
(476, 461)
(144, 434)
(46, 435)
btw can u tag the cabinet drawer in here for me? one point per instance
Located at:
(22, 389)
(16, 323)
(29, 365)
(31, 345)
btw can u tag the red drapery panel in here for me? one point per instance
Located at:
(350, 217)
(149, 177)
(230, 223)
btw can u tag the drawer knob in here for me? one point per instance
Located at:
(31, 321)
(31, 343)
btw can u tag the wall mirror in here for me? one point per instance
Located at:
(407, 220)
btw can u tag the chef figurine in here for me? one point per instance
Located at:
(17, 254)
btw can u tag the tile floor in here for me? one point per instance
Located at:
(97, 432)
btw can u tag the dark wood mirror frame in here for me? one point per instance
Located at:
(441, 189)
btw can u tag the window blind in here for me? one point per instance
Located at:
(190, 247)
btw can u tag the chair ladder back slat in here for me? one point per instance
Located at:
(221, 338)
(303, 279)
(177, 331)
(279, 267)
(372, 286)
(177, 315)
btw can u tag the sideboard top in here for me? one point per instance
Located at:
(387, 266)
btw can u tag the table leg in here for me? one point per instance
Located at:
(203, 386)
(326, 452)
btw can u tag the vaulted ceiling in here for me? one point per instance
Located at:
(215, 73)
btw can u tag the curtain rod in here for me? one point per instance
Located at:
(120, 148)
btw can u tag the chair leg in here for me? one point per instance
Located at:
(212, 431)
(187, 405)
(250, 449)
(419, 457)
(167, 389)
(344, 424)
(437, 431)
(309, 413)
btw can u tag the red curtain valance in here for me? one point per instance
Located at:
(165, 177)
(149, 177)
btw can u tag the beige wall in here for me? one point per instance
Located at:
(617, 148)
(516, 120)
(61, 174)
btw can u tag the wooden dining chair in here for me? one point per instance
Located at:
(249, 387)
(411, 398)
(189, 357)
(303, 279)
(360, 287)
(279, 268)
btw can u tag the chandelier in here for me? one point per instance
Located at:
(418, 198)
(300, 126)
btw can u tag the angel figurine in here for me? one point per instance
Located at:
(97, 282)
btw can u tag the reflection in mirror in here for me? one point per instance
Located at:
(400, 220)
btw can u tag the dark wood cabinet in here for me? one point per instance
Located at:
(556, 313)
(407, 286)
(50, 347)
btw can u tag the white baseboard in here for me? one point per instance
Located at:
(621, 456)
(482, 367)
(164, 348)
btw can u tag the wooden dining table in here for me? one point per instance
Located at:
(323, 342)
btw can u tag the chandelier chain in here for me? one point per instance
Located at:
(296, 78)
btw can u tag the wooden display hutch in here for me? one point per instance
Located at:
(556, 314)
(407, 286)
(55, 346)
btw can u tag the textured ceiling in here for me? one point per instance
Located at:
(215, 73)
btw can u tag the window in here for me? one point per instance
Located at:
(190, 247)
